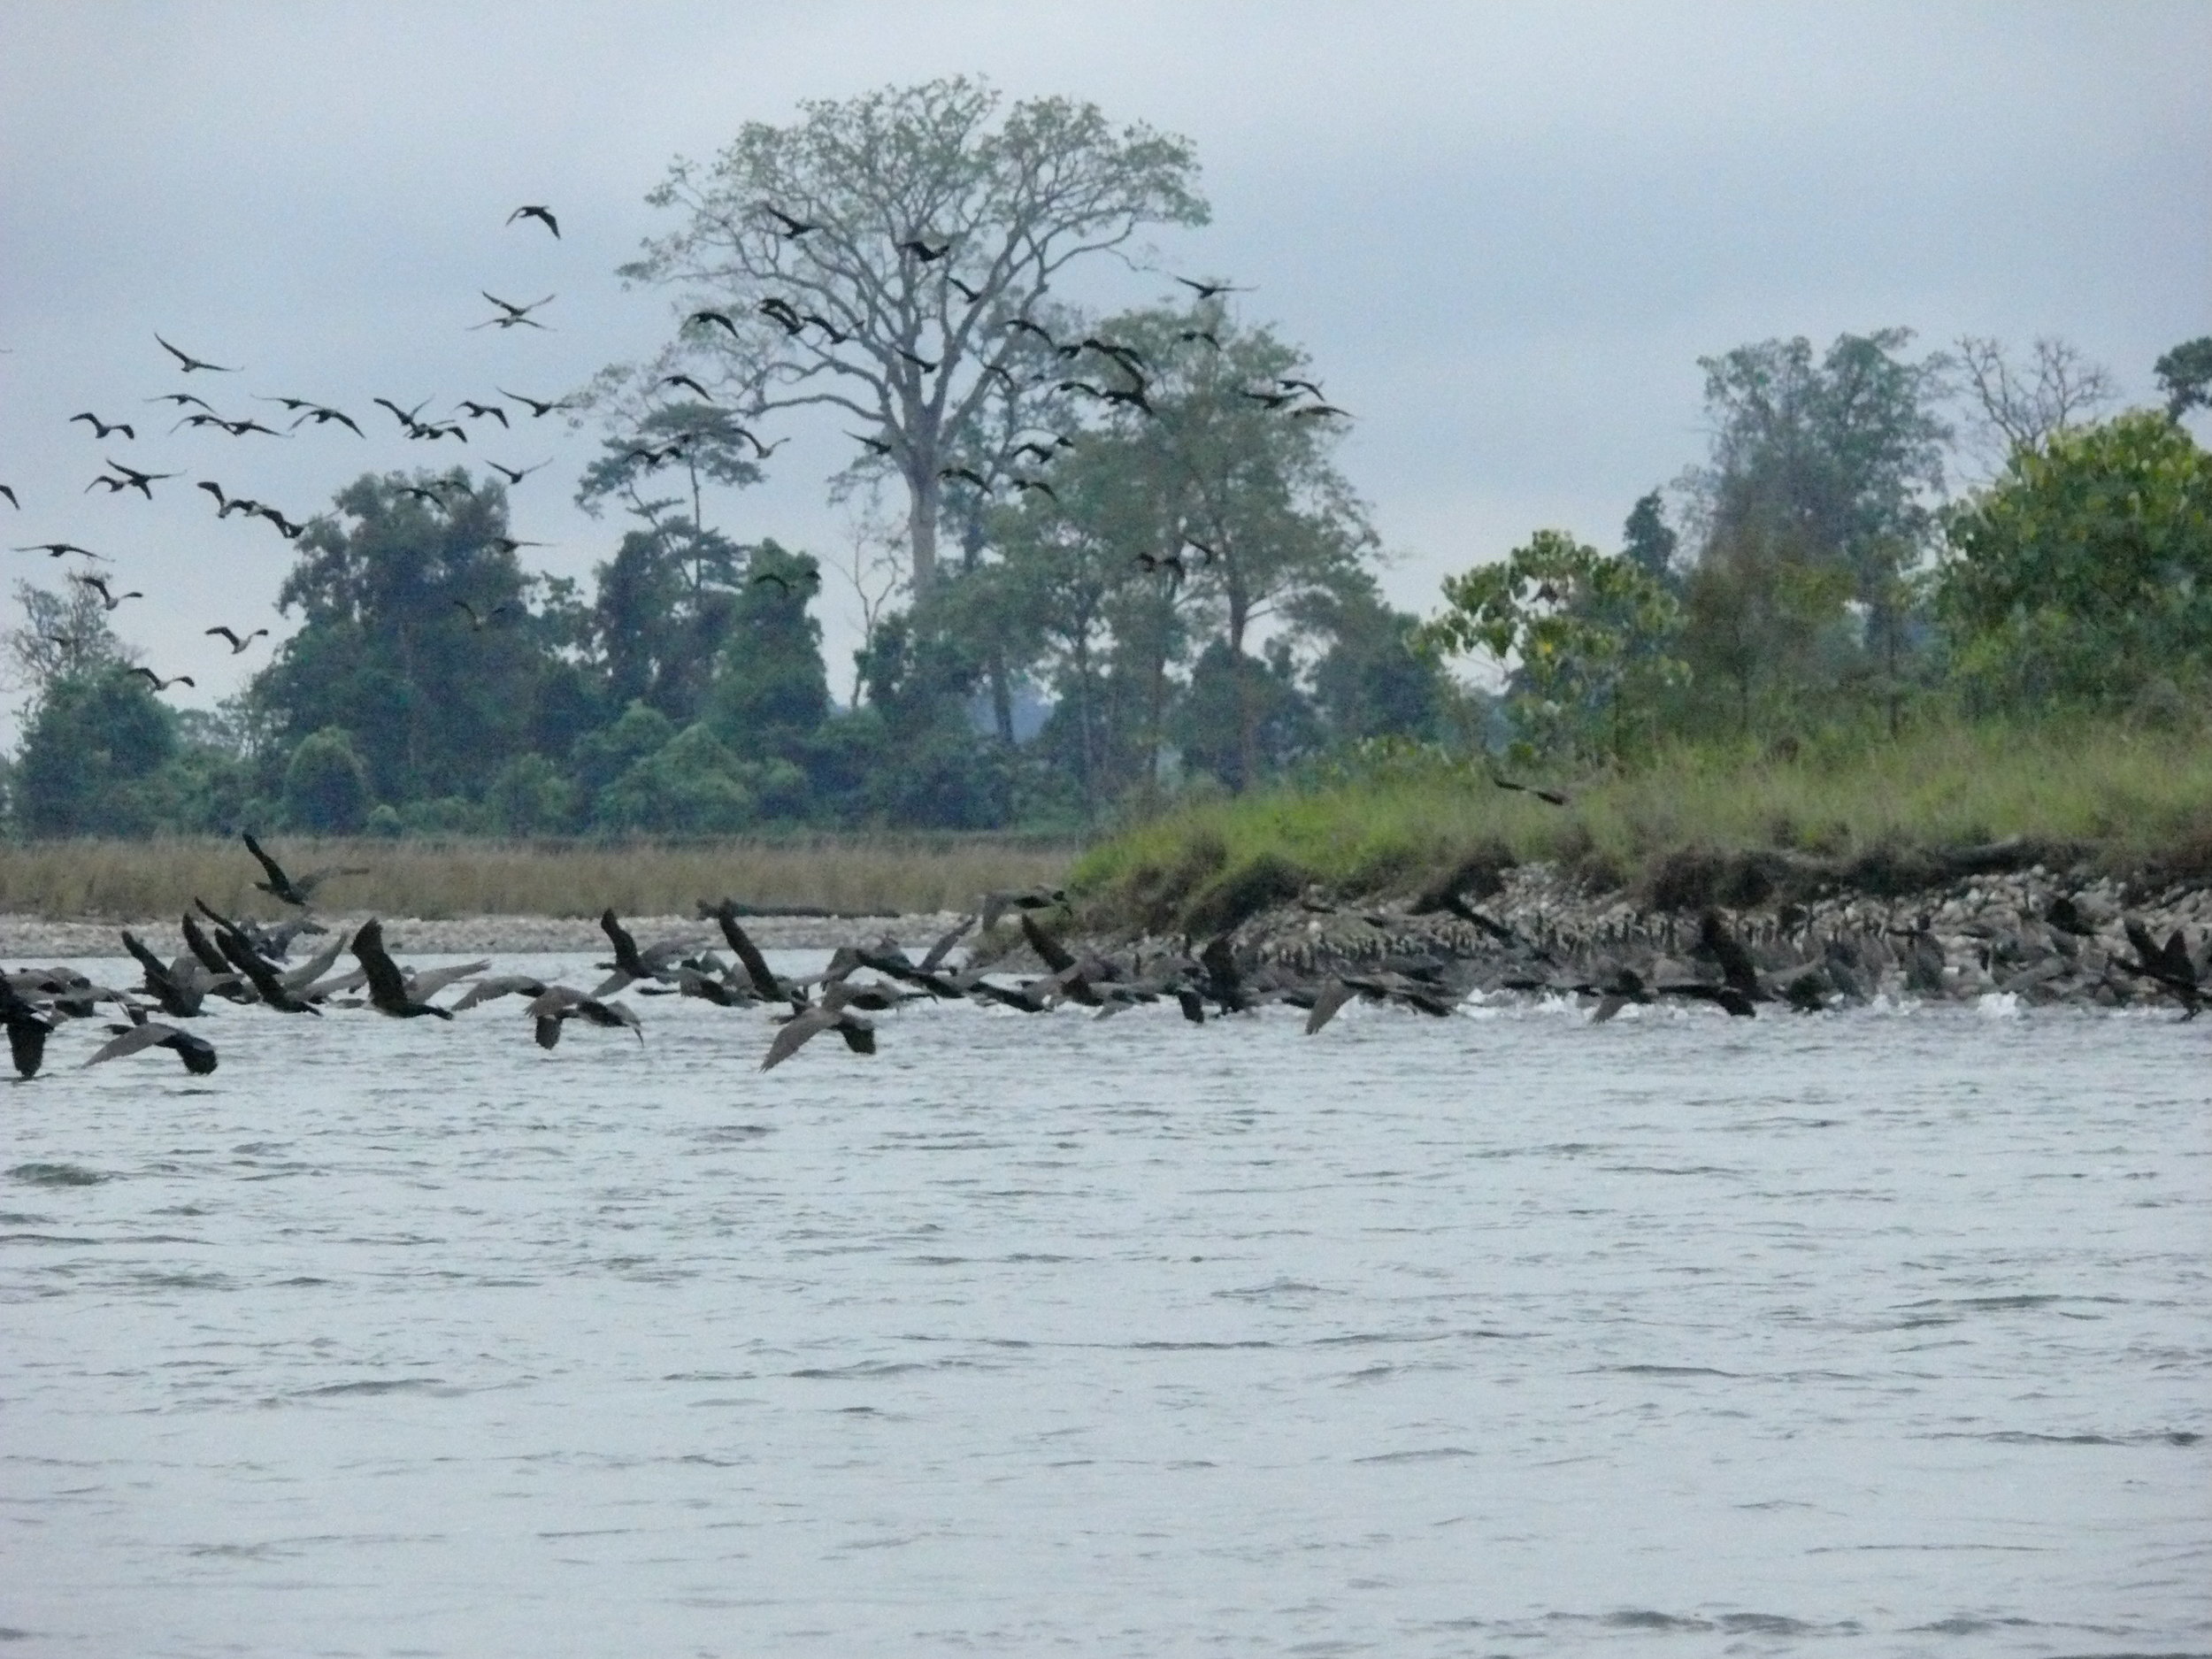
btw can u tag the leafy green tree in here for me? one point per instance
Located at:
(924, 762)
(1261, 517)
(326, 784)
(600, 756)
(865, 256)
(1586, 636)
(1374, 680)
(2184, 374)
(1205, 500)
(772, 688)
(694, 786)
(530, 796)
(1768, 626)
(418, 635)
(697, 443)
(664, 607)
(204, 793)
(1238, 473)
(91, 754)
(1649, 539)
(2086, 568)
(1066, 580)
(1232, 695)
(1817, 466)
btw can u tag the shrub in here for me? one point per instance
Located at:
(529, 797)
(693, 785)
(95, 742)
(326, 784)
(2086, 569)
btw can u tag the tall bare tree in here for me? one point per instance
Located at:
(2019, 405)
(867, 258)
(62, 634)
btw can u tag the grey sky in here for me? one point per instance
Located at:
(1505, 233)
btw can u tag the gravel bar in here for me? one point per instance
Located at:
(26, 938)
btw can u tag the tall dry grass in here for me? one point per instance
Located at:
(876, 875)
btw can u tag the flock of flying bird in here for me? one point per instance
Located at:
(195, 413)
(1124, 382)
(245, 963)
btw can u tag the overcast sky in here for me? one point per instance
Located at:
(1506, 232)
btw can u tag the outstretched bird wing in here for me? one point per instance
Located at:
(626, 954)
(502, 985)
(796, 1033)
(158, 979)
(279, 882)
(306, 975)
(1333, 996)
(1049, 950)
(748, 953)
(938, 952)
(136, 1038)
(199, 945)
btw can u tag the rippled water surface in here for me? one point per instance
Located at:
(1873, 1332)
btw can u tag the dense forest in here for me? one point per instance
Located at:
(1121, 562)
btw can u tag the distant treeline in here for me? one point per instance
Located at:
(1073, 660)
(1113, 560)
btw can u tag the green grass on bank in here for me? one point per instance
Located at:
(2126, 798)
(871, 874)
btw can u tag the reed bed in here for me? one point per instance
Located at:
(2127, 799)
(876, 875)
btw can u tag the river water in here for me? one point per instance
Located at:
(1882, 1332)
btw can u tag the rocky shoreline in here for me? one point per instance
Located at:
(2045, 936)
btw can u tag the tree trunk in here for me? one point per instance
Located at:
(1247, 732)
(1002, 696)
(921, 524)
(1083, 725)
(1152, 722)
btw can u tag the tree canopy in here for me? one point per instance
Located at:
(864, 260)
(2184, 374)
(1210, 507)
(1816, 506)
(1579, 630)
(92, 757)
(418, 635)
(2086, 569)
(1116, 554)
